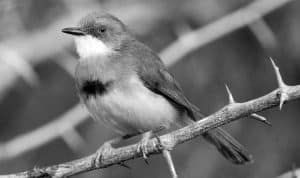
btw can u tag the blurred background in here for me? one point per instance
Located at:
(37, 63)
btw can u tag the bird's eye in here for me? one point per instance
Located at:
(102, 29)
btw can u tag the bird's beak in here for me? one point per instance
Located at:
(74, 31)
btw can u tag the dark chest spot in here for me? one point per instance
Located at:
(94, 87)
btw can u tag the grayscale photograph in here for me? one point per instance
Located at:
(149, 89)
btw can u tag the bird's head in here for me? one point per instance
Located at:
(98, 34)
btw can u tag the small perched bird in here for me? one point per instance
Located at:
(123, 83)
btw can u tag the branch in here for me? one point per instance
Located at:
(170, 56)
(254, 115)
(227, 114)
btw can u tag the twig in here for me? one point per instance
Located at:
(254, 115)
(227, 114)
(170, 55)
(282, 86)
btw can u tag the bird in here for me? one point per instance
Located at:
(124, 83)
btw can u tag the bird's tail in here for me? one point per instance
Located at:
(228, 146)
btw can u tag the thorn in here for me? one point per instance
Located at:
(282, 86)
(124, 165)
(261, 119)
(230, 97)
(283, 97)
(167, 156)
(278, 75)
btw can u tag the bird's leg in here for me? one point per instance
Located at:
(142, 145)
(106, 148)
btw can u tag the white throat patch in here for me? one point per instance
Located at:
(89, 46)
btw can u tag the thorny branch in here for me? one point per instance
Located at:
(254, 11)
(228, 113)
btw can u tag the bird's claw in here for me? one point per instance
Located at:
(142, 148)
(103, 150)
(159, 145)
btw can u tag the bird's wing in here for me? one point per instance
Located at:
(156, 78)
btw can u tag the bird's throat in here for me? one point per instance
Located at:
(88, 46)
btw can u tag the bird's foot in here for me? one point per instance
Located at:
(142, 145)
(105, 149)
(142, 148)
(159, 145)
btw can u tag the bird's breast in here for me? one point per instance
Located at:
(93, 88)
(132, 108)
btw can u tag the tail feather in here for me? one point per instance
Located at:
(228, 146)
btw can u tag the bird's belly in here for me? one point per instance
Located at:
(137, 110)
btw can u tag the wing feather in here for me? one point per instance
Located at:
(155, 76)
